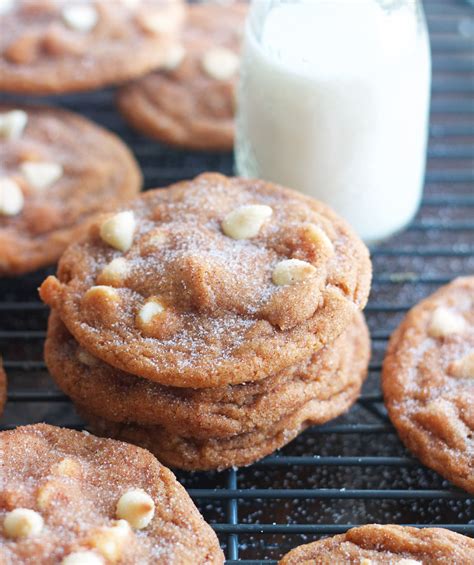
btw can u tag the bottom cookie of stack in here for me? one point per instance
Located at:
(215, 428)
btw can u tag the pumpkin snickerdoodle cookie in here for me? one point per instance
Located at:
(375, 544)
(210, 282)
(56, 46)
(211, 428)
(192, 103)
(56, 169)
(428, 381)
(71, 498)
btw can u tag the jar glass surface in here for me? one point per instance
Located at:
(334, 101)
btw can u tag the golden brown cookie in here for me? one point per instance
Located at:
(191, 104)
(428, 381)
(70, 498)
(210, 282)
(55, 46)
(3, 387)
(382, 545)
(56, 169)
(330, 379)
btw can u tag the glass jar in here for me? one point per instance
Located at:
(334, 102)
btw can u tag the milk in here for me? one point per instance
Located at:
(334, 102)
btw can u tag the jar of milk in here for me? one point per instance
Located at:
(334, 102)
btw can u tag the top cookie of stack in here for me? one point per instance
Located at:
(55, 46)
(211, 282)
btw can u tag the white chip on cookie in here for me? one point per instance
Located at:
(22, 523)
(319, 239)
(86, 358)
(246, 222)
(114, 272)
(83, 558)
(445, 322)
(291, 271)
(409, 562)
(80, 17)
(174, 57)
(109, 541)
(463, 368)
(220, 63)
(118, 231)
(41, 175)
(137, 508)
(11, 197)
(13, 123)
(152, 307)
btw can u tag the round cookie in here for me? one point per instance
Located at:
(57, 46)
(377, 545)
(331, 378)
(56, 169)
(65, 492)
(192, 104)
(210, 282)
(428, 381)
(3, 387)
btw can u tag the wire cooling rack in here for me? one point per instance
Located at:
(350, 471)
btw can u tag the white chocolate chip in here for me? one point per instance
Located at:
(291, 271)
(83, 558)
(103, 292)
(463, 368)
(220, 63)
(157, 22)
(319, 239)
(86, 358)
(245, 222)
(22, 523)
(152, 307)
(118, 230)
(137, 507)
(174, 57)
(409, 562)
(67, 467)
(445, 322)
(109, 541)
(12, 123)
(115, 272)
(41, 175)
(82, 17)
(366, 561)
(11, 198)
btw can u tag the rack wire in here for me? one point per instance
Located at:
(350, 471)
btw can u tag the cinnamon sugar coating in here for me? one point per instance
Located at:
(428, 385)
(74, 481)
(379, 545)
(57, 46)
(186, 106)
(83, 169)
(221, 319)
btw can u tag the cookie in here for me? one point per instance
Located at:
(329, 379)
(210, 282)
(69, 497)
(191, 105)
(428, 381)
(56, 169)
(376, 545)
(3, 387)
(57, 46)
(243, 426)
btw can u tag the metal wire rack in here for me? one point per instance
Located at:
(350, 471)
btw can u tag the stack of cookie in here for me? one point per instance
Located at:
(211, 321)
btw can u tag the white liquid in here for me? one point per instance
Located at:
(334, 102)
